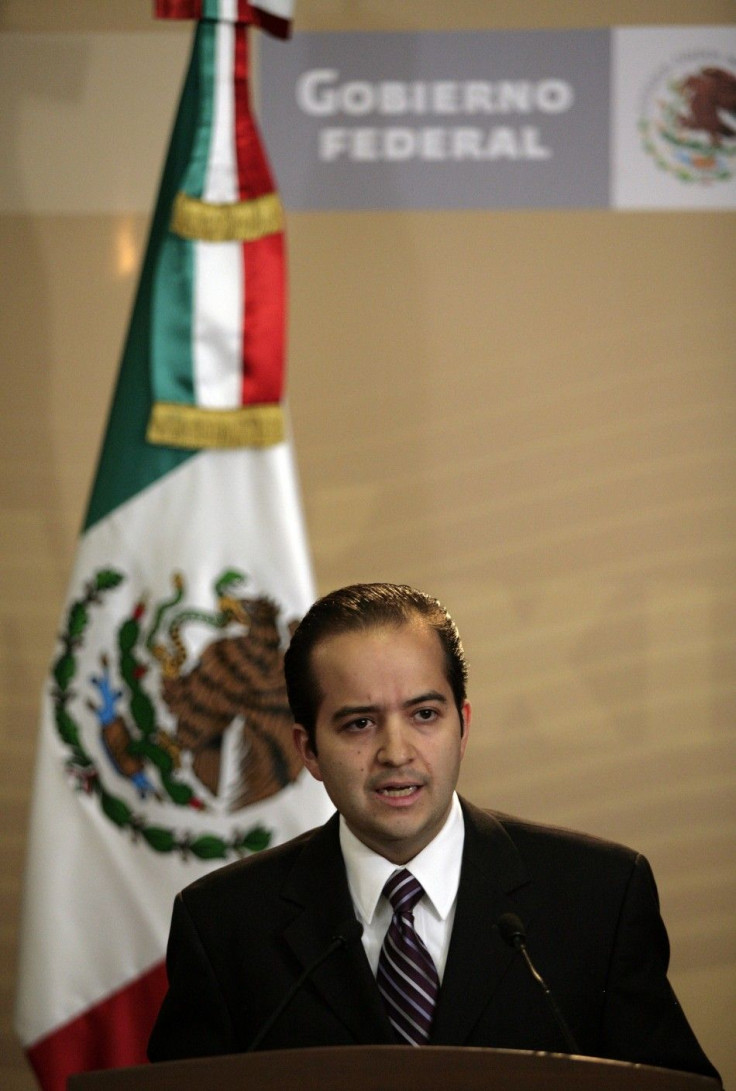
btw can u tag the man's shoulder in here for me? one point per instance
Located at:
(535, 840)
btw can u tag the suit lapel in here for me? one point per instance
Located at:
(493, 880)
(319, 890)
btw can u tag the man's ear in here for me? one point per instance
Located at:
(306, 753)
(466, 714)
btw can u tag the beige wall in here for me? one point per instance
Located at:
(530, 414)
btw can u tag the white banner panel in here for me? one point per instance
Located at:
(674, 117)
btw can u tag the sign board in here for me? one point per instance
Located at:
(630, 117)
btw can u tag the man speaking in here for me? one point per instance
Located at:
(453, 904)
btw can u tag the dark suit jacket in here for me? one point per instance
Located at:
(242, 935)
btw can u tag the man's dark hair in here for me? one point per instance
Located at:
(359, 607)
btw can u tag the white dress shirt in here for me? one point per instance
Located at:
(437, 867)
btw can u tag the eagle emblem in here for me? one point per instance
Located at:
(688, 122)
(183, 705)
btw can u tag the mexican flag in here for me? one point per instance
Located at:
(165, 741)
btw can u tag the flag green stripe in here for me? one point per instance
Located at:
(172, 361)
(205, 49)
(172, 319)
(127, 462)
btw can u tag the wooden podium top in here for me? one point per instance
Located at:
(392, 1068)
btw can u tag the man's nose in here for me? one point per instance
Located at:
(395, 745)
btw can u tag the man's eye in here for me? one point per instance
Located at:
(358, 725)
(426, 715)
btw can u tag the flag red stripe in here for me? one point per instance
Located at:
(276, 25)
(263, 259)
(264, 320)
(178, 9)
(111, 1034)
(254, 173)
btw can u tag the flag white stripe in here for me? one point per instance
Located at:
(284, 9)
(228, 9)
(217, 331)
(221, 178)
(251, 497)
(217, 305)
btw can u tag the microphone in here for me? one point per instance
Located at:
(350, 931)
(513, 932)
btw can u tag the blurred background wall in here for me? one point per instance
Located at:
(530, 414)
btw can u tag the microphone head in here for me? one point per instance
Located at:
(349, 932)
(512, 930)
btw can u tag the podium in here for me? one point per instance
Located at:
(392, 1068)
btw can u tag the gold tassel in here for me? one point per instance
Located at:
(244, 220)
(172, 425)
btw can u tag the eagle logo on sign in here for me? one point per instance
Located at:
(184, 706)
(689, 122)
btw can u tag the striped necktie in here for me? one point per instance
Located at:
(407, 976)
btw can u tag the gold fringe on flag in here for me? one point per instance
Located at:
(243, 220)
(174, 425)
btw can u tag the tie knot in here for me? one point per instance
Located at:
(403, 891)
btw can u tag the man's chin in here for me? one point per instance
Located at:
(399, 838)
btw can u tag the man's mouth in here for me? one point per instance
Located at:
(396, 791)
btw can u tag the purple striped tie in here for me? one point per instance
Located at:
(407, 977)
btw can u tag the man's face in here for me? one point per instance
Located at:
(388, 735)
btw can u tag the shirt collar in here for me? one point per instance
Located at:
(437, 866)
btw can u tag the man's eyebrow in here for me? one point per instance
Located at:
(352, 710)
(431, 695)
(369, 710)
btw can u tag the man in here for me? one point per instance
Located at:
(376, 678)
